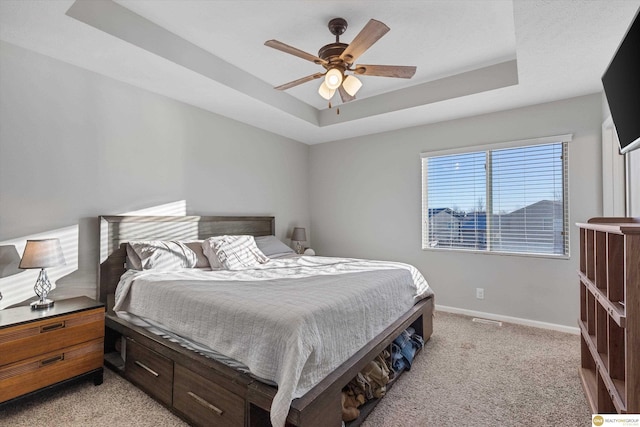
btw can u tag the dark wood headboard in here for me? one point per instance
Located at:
(116, 231)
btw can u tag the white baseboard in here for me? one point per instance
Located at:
(509, 319)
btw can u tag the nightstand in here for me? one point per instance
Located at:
(42, 348)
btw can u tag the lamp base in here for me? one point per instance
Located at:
(42, 304)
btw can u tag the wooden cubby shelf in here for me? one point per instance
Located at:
(614, 308)
(610, 314)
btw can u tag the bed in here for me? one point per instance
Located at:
(175, 365)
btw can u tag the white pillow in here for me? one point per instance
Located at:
(233, 252)
(164, 255)
(207, 249)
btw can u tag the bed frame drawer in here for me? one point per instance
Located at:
(204, 402)
(150, 371)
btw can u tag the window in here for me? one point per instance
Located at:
(508, 198)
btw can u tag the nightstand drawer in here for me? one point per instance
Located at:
(46, 369)
(150, 371)
(206, 403)
(50, 334)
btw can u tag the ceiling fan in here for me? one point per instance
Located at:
(338, 60)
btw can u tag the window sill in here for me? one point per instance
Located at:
(518, 254)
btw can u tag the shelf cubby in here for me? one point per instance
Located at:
(605, 401)
(591, 314)
(615, 271)
(590, 255)
(602, 323)
(583, 302)
(617, 350)
(600, 266)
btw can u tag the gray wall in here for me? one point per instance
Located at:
(366, 200)
(75, 145)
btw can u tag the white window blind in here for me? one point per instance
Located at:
(509, 200)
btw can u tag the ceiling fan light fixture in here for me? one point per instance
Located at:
(352, 85)
(333, 78)
(325, 92)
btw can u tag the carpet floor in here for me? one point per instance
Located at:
(469, 374)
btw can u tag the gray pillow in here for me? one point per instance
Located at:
(201, 259)
(272, 247)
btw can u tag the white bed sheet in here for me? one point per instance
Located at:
(291, 321)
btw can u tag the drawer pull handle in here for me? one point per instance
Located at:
(205, 403)
(148, 369)
(51, 360)
(52, 327)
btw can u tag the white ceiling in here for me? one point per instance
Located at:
(211, 54)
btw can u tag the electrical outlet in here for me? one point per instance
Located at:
(480, 293)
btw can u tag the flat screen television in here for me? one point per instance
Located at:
(621, 82)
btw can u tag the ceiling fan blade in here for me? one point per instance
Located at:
(399, 71)
(299, 81)
(294, 51)
(344, 95)
(371, 33)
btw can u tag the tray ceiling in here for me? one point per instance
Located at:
(472, 57)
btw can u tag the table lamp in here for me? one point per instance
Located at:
(42, 254)
(299, 235)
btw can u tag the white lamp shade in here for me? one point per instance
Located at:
(299, 235)
(42, 254)
(352, 85)
(333, 78)
(325, 92)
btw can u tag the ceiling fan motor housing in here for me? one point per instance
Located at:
(331, 53)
